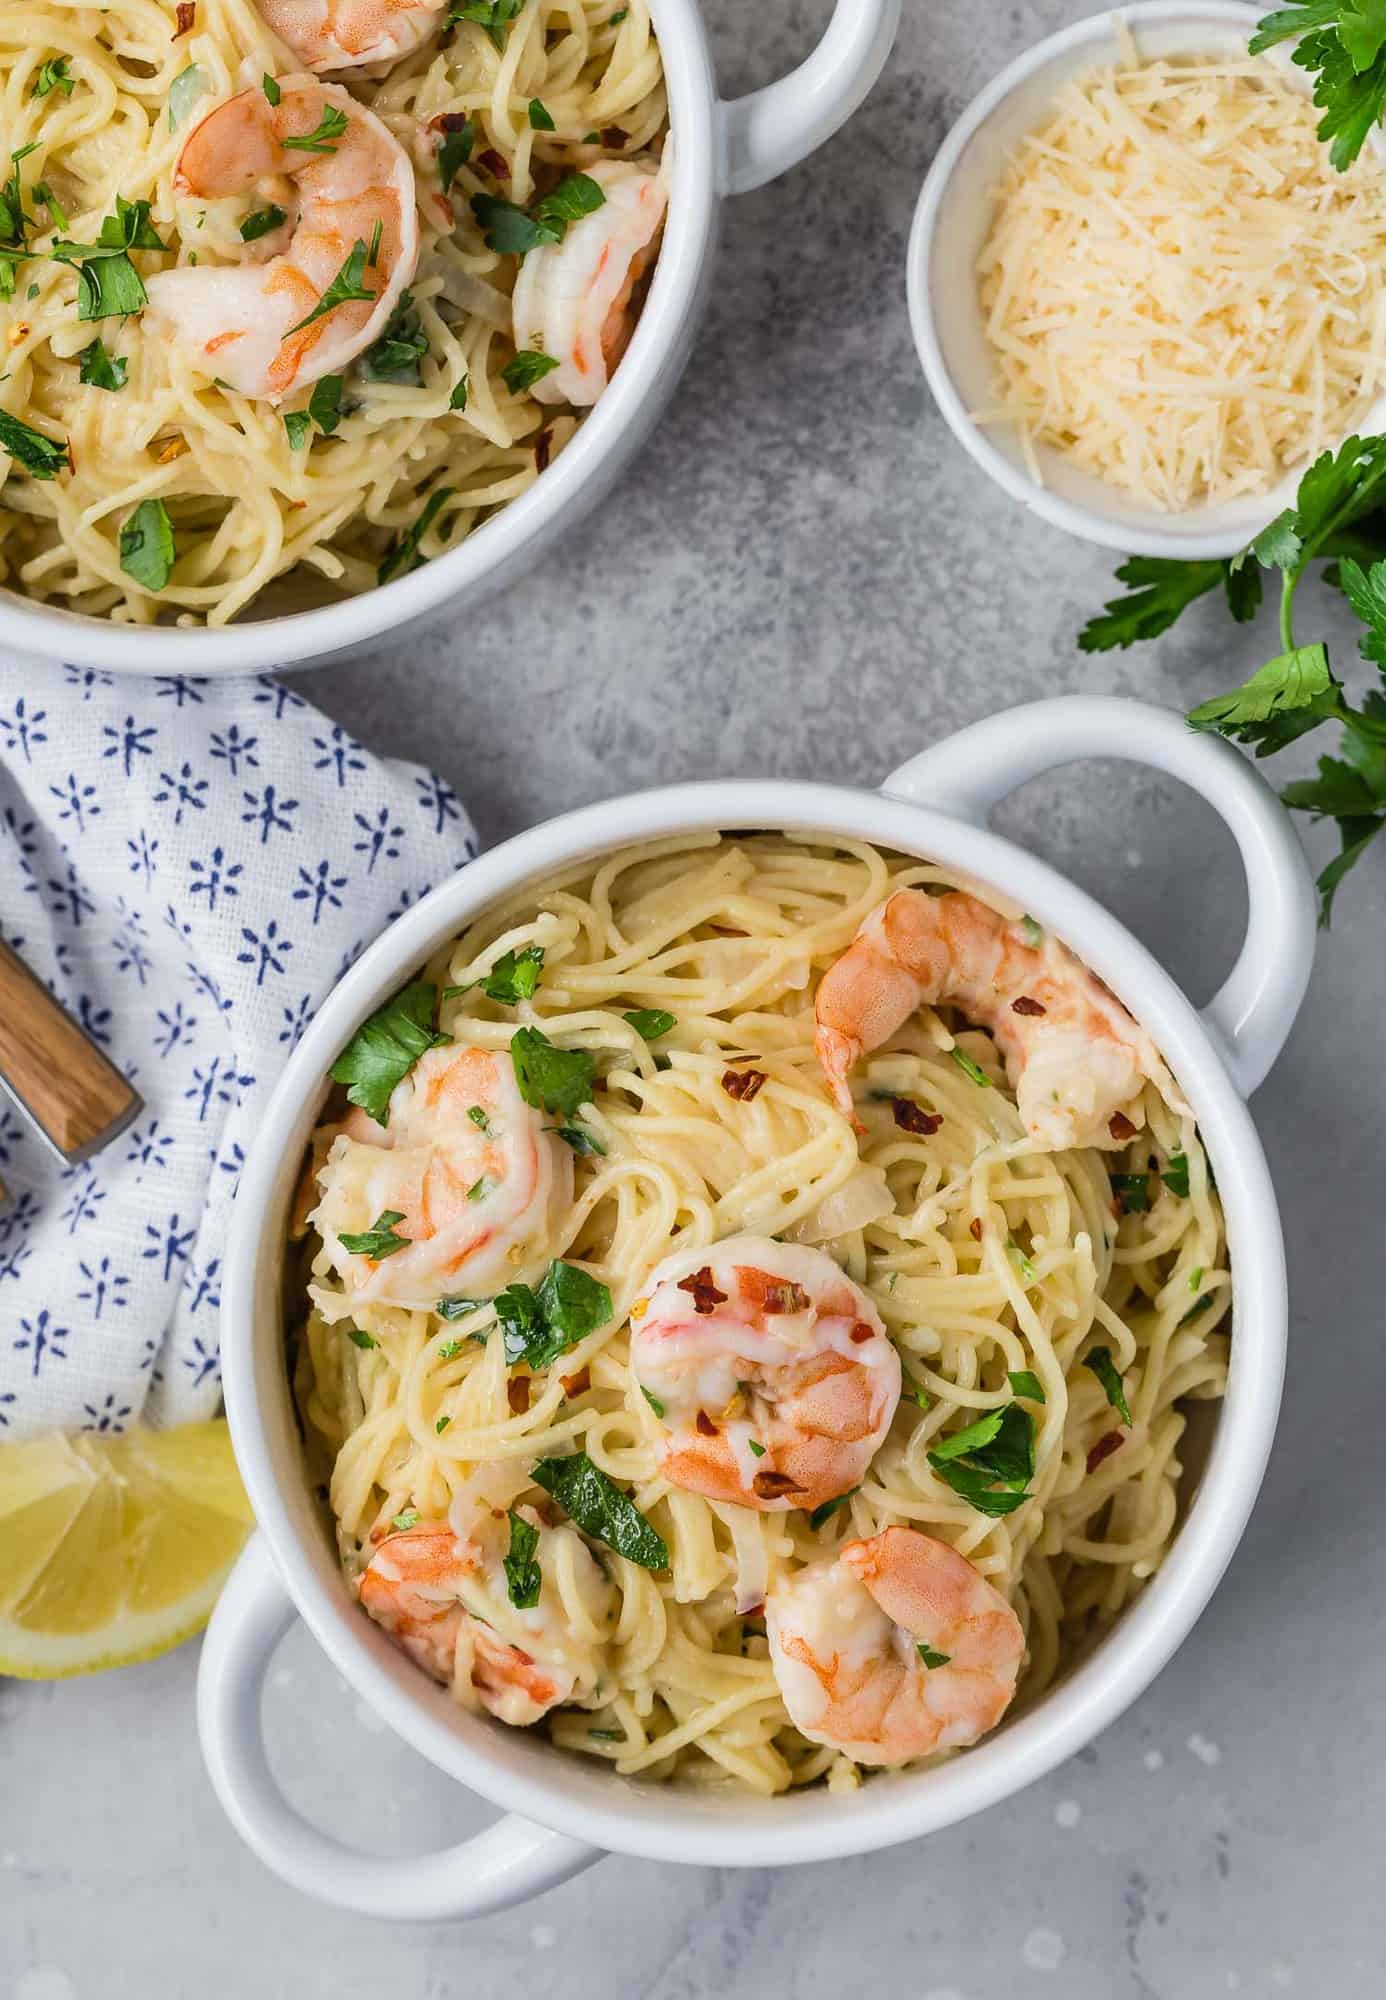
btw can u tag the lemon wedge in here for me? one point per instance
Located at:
(113, 1548)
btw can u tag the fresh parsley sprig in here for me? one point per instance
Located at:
(1342, 43)
(1339, 520)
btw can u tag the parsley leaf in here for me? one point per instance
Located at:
(456, 1308)
(322, 138)
(1289, 695)
(931, 1658)
(403, 554)
(822, 1514)
(397, 355)
(261, 222)
(454, 151)
(53, 76)
(551, 1079)
(386, 1047)
(512, 231)
(325, 403)
(523, 1576)
(345, 287)
(971, 1068)
(1176, 1175)
(184, 92)
(408, 1519)
(39, 455)
(575, 196)
(1024, 1382)
(359, 1338)
(458, 399)
(602, 1509)
(996, 1452)
(652, 1400)
(1099, 1360)
(1132, 1191)
(100, 369)
(495, 16)
(584, 1143)
(650, 1022)
(513, 979)
(1159, 589)
(380, 1240)
(271, 89)
(148, 550)
(540, 119)
(538, 1325)
(297, 423)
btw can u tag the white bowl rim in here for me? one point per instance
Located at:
(1086, 523)
(312, 637)
(657, 1821)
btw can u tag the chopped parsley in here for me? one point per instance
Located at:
(602, 1509)
(325, 403)
(297, 423)
(757, 1449)
(540, 118)
(271, 89)
(971, 1068)
(323, 137)
(456, 1308)
(380, 1240)
(386, 1047)
(39, 455)
(512, 979)
(479, 1189)
(825, 1513)
(345, 287)
(408, 1519)
(1024, 1382)
(1176, 1175)
(458, 399)
(650, 1022)
(262, 222)
(184, 92)
(403, 554)
(1099, 1360)
(990, 1463)
(584, 1143)
(1034, 933)
(495, 16)
(148, 550)
(398, 354)
(1132, 1191)
(358, 1338)
(931, 1658)
(478, 1118)
(523, 1576)
(528, 367)
(539, 1324)
(454, 151)
(53, 76)
(653, 1401)
(441, 1425)
(551, 1079)
(512, 231)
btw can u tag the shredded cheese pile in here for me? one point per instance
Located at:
(1184, 297)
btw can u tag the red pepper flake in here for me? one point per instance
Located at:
(449, 121)
(1025, 1005)
(704, 1425)
(187, 14)
(742, 1084)
(1105, 1446)
(703, 1287)
(911, 1117)
(768, 1294)
(495, 164)
(613, 137)
(1120, 1126)
(774, 1485)
(861, 1333)
(543, 446)
(517, 1394)
(974, 1228)
(577, 1385)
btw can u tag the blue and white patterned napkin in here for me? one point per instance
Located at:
(190, 865)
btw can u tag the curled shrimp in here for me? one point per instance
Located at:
(769, 1371)
(894, 1649)
(340, 34)
(576, 300)
(252, 323)
(466, 1166)
(1073, 1054)
(444, 1599)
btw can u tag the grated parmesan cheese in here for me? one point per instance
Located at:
(1184, 297)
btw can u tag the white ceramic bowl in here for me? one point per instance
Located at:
(720, 149)
(951, 225)
(564, 1810)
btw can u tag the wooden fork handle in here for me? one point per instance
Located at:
(52, 1069)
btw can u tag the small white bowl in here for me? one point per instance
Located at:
(951, 225)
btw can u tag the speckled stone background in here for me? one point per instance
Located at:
(803, 576)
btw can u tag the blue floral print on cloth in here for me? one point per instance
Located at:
(190, 866)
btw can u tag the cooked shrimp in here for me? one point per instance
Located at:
(575, 300)
(465, 1164)
(1073, 1054)
(246, 322)
(850, 1642)
(443, 1597)
(339, 34)
(770, 1373)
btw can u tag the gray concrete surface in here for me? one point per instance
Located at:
(803, 576)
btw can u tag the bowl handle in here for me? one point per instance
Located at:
(967, 775)
(765, 134)
(510, 1861)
